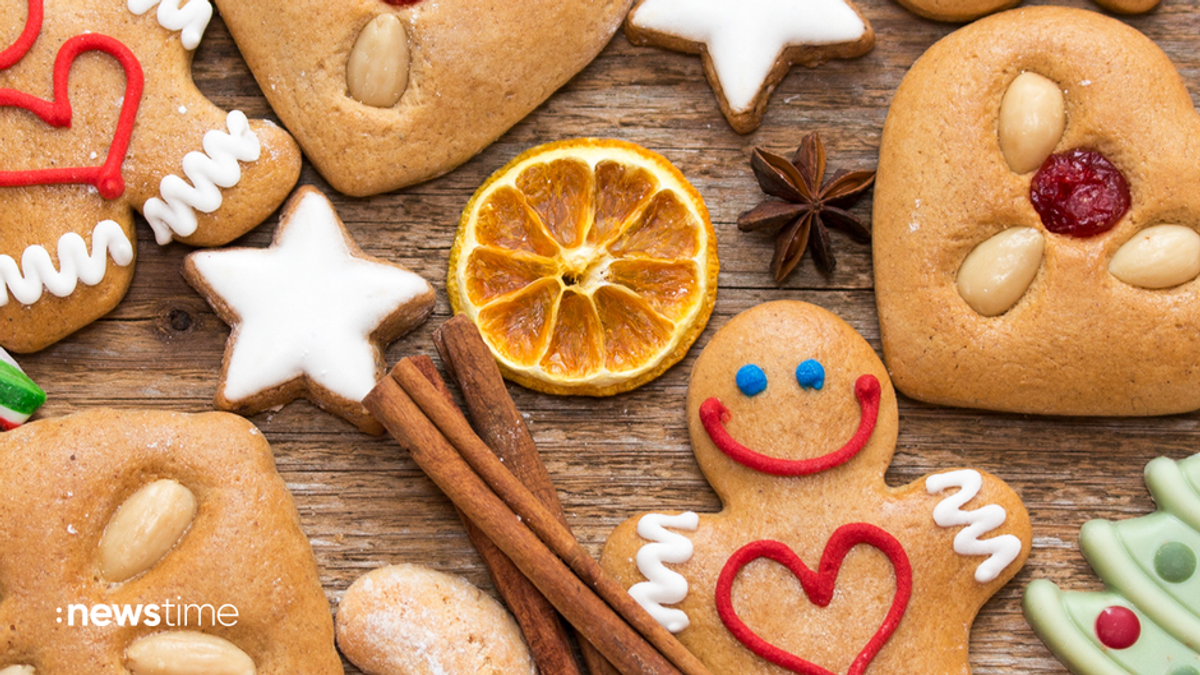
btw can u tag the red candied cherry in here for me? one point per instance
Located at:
(1118, 627)
(1079, 193)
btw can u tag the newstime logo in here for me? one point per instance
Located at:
(169, 614)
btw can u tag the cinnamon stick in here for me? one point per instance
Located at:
(451, 423)
(619, 643)
(540, 624)
(498, 422)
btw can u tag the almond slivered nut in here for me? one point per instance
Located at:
(377, 70)
(18, 670)
(997, 273)
(1158, 257)
(186, 653)
(1032, 119)
(144, 528)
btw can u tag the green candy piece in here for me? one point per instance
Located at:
(1185, 670)
(1175, 562)
(18, 392)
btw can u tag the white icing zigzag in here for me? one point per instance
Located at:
(173, 215)
(664, 586)
(191, 19)
(77, 265)
(1001, 551)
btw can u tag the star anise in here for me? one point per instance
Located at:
(809, 207)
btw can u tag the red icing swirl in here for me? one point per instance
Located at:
(713, 415)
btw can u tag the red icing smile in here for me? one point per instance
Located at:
(57, 113)
(713, 415)
(819, 587)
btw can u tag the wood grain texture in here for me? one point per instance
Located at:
(364, 503)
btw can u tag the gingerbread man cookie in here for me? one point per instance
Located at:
(386, 93)
(100, 117)
(154, 543)
(793, 421)
(1061, 276)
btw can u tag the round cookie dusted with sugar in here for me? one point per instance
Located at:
(412, 620)
(1072, 322)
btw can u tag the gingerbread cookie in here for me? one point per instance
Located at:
(100, 117)
(747, 48)
(1062, 276)
(411, 620)
(154, 542)
(793, 421)
(310, 315)
(969, 10)
(387, 93)
(1146, 619)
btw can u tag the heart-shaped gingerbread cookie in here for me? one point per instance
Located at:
(386, 94)
(1036, 230)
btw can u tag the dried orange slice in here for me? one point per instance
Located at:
(590, 266)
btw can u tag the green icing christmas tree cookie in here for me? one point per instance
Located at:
(1147, 620)
(19, 396)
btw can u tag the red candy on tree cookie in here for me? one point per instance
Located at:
(1036, 240)
(793, 420)
(99, 118)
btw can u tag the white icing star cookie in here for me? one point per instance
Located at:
(310, 314)
(748, 47)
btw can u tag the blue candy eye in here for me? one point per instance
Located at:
(751, 379)
(810, 374)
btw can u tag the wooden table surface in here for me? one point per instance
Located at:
(364, 504)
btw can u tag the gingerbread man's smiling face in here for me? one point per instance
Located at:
(783, 390)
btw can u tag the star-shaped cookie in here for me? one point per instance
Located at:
(748, 47)
(310, 314)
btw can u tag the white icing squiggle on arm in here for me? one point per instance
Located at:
(191, 19)
(664, 586)
(74, 260)
(173, 215)
(1001, 551)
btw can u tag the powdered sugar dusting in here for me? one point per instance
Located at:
(409, 620)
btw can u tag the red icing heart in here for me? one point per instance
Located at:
(819, 588)
(106, 177)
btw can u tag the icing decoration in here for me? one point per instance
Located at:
(1175, 562)
(57, 113)
(191, 19)
(1148, 618)
(307, 305)
(751, 380)
(819, 587)
(74, 260)
(746, 39)
(175, 213)
(1117, 627)
(663, 585)
(33, 26)
(19, 395)
(1001, 550)
(713, 415)
(810, 374)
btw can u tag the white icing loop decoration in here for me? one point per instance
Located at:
(744, 39)
(663, 585)
(1001, 551)
(75, 262)
(175, 214)
(191, 19)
